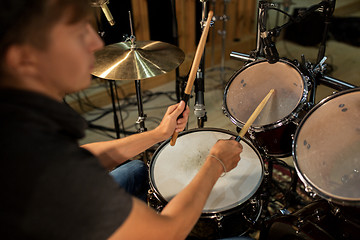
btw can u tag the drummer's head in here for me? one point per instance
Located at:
(47, 45)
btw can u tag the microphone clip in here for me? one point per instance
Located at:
(270, 51)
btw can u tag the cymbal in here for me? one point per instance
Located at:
(144, 59)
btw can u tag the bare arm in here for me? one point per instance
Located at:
(182, 212)
(115, 152)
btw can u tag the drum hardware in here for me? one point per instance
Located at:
(325, 178)
(336, 211)
(317, 77)
(219, 218)
(312, 76)
(199, 106)
(274, 126)
(153, 201)
(112, 83)
(194, 67)
(243, 57)
(135, 60)
(309, 190)
(224, 18)
(277, 196)
(261, 21)
(319, 72)
(239, 208)
(178, 79)
(114, 95)
(317, 220)
(103, 4)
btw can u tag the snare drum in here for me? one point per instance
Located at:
(233, 206)
(273, 129)
(326, 148)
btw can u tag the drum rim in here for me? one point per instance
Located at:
(212, 211)
(279, 122)
(309, 185)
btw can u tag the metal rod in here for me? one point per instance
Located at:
(242, 57)
(142, 116)
(335, 83)
(116, 121)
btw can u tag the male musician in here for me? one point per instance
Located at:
(52, 188)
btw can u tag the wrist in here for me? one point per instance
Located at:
(218, 164)
(157, 135)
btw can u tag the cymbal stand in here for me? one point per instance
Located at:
(142, 117)
(224, 18)
(112, 83)
(113, 92)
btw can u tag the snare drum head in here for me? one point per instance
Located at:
(173, 167)
(250, 85)
(327, 148)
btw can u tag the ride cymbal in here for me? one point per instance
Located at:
(144, 59)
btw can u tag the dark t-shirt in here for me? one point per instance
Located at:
(51, 188)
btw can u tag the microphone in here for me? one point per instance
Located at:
(270, 51)
(105, 9)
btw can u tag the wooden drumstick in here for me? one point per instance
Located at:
(194, 67)
(254, 115)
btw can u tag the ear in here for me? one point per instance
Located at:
(21, 60)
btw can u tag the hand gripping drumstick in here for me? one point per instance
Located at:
(194, 68)
(254, 116)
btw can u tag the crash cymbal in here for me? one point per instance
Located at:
(141, 60)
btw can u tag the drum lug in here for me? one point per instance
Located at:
(219, 218)
(251, 133)
(299, 224)
(224, 111)
(253, 201)
(297, 120)
(313, 195)
(308, 106)
(295, 115)
(308, 81)
(309, 189)
(336, 211)
(266, 151)
(151, 198)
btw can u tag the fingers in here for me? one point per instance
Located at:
(228, 151)
(176, 109)
(170, 121)
(181, 122)
(171, 109)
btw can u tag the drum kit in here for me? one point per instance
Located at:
(322, 138)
